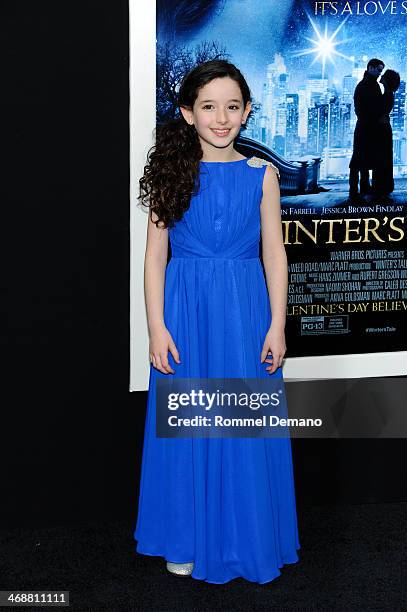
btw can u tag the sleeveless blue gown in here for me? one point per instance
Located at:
(227, 504)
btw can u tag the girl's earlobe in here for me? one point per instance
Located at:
(187, 119)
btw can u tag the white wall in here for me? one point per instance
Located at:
(142, 124)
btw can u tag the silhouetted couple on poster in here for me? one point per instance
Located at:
(373, 137)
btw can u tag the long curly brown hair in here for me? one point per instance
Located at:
(171, 175)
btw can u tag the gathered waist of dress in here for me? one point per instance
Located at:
(252, 252)
(214, 257)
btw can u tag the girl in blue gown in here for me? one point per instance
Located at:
(214, 508)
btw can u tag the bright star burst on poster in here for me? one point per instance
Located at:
(325, 46)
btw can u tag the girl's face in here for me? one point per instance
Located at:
(218, 113)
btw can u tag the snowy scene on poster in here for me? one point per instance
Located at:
(345, 241)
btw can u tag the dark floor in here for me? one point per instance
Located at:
(352, 558)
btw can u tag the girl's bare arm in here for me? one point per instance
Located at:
(273, 251)
(155, 263)
(275, 266)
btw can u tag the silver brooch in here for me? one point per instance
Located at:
(258, 162)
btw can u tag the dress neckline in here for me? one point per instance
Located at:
(233, 161)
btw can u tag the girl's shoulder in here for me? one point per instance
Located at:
(258, 162)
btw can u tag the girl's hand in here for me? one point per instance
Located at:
(274, 343)
(160, 343)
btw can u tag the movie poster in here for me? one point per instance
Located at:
(346, 245)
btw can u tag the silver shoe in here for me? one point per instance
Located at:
(181, 569)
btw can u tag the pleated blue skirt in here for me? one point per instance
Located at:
(227, 504)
